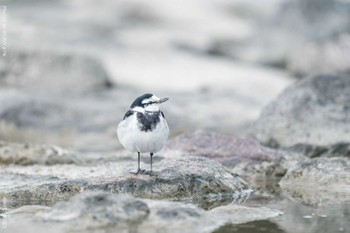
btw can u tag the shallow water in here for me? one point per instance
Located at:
(297, 218)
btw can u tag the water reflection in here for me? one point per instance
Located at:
(297, 218)
(325, 219)
(212, 201)
(251, 227)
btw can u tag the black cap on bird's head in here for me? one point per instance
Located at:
(149, 102)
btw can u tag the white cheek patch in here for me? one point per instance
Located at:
(152, 108)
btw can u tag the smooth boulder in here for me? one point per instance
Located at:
(243, 156)
(29, 154)
(198, 179)
(96, 211)
(311, 117)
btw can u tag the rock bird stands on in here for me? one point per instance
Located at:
(144, 128)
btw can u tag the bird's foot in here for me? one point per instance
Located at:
(150, 173)
(139, 171)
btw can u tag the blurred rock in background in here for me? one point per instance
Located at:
(74, 67)
(303, 37)
(311, 117)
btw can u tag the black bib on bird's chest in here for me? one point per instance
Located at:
(148, 121)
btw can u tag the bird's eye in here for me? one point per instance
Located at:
(149, 103)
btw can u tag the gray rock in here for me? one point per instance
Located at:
(39, 70)
(320, 181)
(200, 180)
(102, 211)
(178, 217)
(28, 154)
(311, 117)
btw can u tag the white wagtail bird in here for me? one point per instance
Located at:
(144, 128)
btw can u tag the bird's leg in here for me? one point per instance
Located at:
(138, 165)
(138, 162)
(151, 172)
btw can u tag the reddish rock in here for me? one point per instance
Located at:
(244, 156)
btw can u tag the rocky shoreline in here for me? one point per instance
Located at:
(258, 110)
(204, 169)
(297, 148)
(198, 173)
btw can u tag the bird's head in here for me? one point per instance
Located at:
(147, 102)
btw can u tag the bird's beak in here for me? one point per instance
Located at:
(163, 100)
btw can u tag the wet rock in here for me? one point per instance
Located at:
(243, 156)
(320, 181)
(199, 179)
(39, 70)
(167, 217)
(94, 211)
(28, 154)
(311, 117)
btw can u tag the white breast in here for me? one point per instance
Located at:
(135, 140)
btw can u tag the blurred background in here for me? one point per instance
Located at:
(73, 67)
